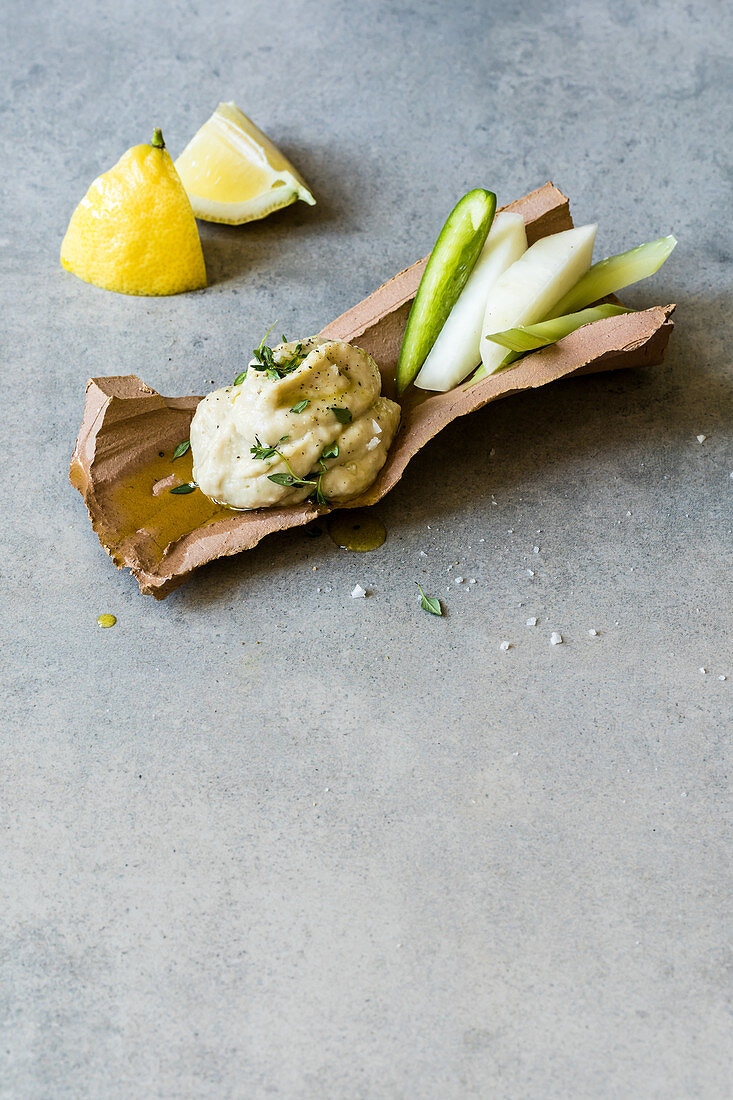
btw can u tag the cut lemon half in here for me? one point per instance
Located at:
(233, 173)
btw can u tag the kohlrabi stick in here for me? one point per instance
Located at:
(451, 262)
(608, 276)
(456, 352)
(529, 289)
(531, 337)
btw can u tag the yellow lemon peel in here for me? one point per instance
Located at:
(134, 231)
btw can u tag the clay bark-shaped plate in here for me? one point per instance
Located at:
(122, 460)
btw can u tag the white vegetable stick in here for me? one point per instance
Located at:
(527, 291)
(457, 351)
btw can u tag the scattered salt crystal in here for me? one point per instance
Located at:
(532, 622)
(683, 794)
(358, 593)
(703, 671)
(530, 572)
(593, 633)
(535, 549)
(722, 677)
(628, 513)
(505, 646)
(511, 529)
(423, 554)
(373, 442)
(318, 590)
(484, 540)
(472, 580)
(459, 580)
(555, 638)
(376, 427)
(701, 438)
(492, 452)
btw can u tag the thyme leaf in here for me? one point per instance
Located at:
(299, 408)
(429, 603)
(342, 415)
(181, 490)
(332, 451)
(182, 448)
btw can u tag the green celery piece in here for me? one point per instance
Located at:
(614, 273)
(451, 262)
(531, 337)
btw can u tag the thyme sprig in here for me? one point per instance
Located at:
(265, 453)
(265, 361)
(291, 479)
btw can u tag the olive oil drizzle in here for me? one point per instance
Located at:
(358, 530)
(170, 517)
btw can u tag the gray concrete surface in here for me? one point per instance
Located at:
(261, 840)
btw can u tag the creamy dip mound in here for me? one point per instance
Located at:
(308, 414)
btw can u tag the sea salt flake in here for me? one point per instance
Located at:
(459, 580)
(532, 622)
(703, 671)
(373, 442)
(722, 677)
(530, 572)
(555, 638)
(505, 646)
(376, 427)
(701, 438)
(535, 549)
(593, 633)
(358, 593)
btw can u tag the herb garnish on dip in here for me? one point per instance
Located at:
(305, 419)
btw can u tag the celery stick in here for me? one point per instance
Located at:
(531, 337)
(453, 257)
(614, 273)
(457, 351)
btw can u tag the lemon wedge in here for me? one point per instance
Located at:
(134, 230)
(234, 174)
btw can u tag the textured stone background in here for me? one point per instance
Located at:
(261, 841)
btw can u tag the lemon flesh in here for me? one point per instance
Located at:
(134, 231)
(234, 174)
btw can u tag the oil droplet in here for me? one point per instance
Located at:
(106, 620)
(357, 530)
